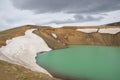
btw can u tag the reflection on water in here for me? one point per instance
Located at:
(83, 62)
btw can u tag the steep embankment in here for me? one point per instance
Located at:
(107, 36)
(14, 72)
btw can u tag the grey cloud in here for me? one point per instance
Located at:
(81, 18)
(75, 7)
(77, 19)
(68, 6)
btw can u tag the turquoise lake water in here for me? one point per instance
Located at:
(83, 62)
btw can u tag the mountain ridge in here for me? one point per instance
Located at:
(66, 36)
(113, 24)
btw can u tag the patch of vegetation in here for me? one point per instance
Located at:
(14, 72)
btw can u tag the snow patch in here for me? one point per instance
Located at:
(88, 30)
(105, 30)
(22, 50)
(110, 30)
(54, 35)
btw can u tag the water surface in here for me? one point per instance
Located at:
(83, 62)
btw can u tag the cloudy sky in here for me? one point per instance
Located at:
(55, 13)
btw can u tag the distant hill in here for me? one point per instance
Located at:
(113, 24)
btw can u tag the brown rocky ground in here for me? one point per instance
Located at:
(14, 72)
(65, 36)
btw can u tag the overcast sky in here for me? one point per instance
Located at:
(55, 13)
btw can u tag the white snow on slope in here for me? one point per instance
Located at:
(110, 30)
(87, 30)
(54, 35)
(22, 50)
(105, 30)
